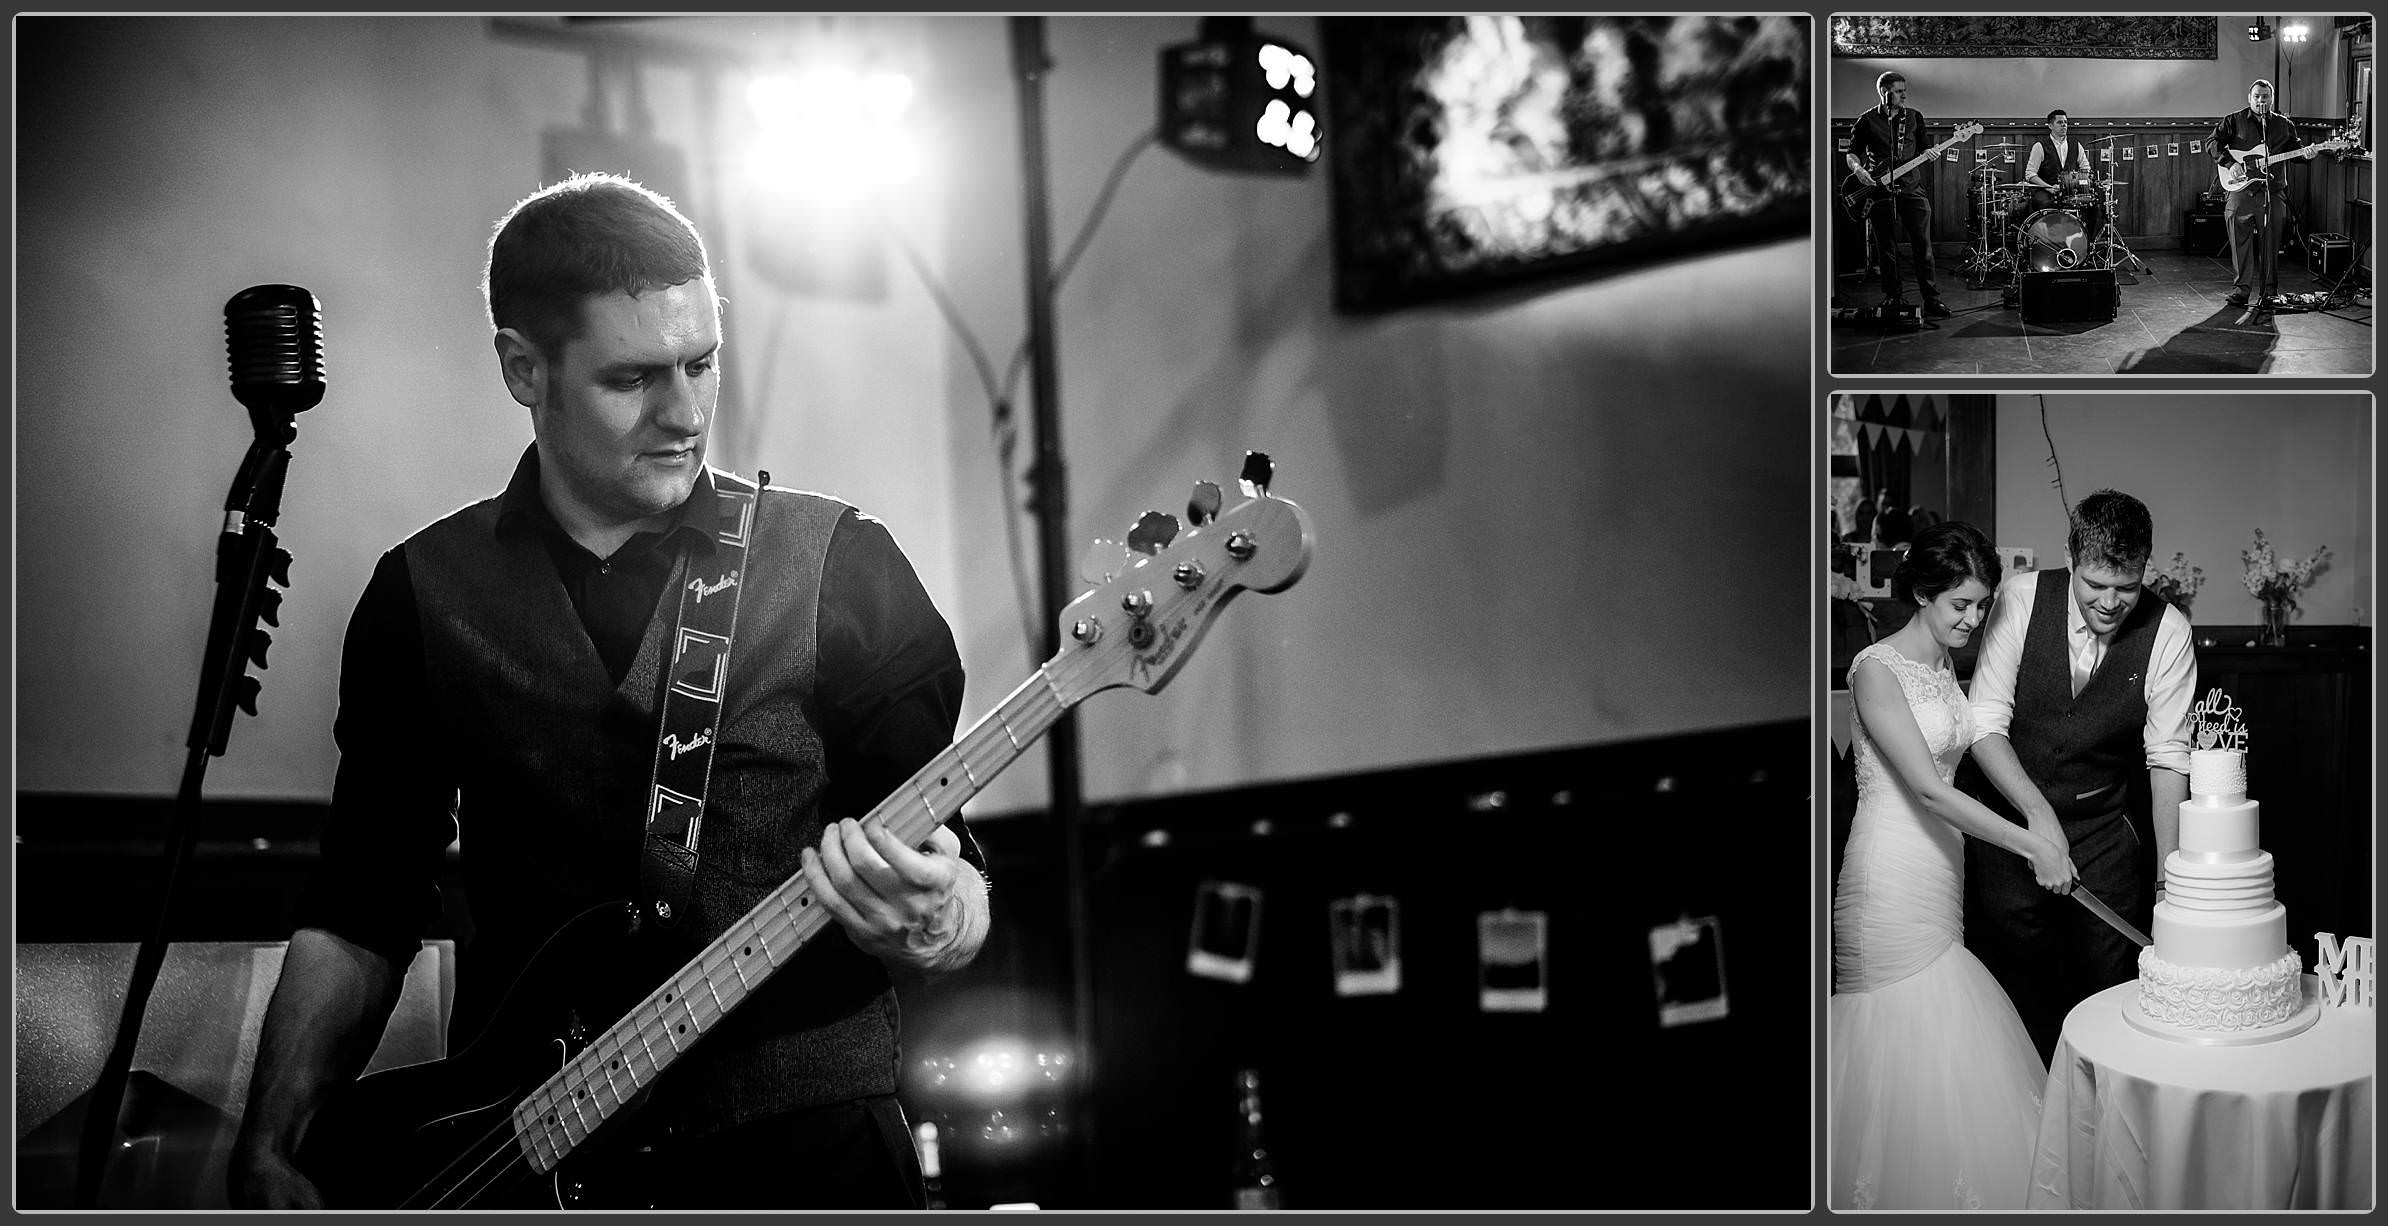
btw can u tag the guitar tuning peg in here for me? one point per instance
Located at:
(1102, 561)
(1203, 507)
(1258, 470)
(1153, 530)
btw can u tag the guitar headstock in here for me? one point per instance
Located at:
(1141, 622)
(1969, 129)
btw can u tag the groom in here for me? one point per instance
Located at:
(2083, 681)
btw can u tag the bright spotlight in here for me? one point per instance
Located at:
(832, 132)
(2294, 32)
(1233, 81)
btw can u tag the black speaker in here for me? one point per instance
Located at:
(2072, 296)
(2203, 232)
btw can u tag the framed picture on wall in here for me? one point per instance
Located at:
(1483, 153)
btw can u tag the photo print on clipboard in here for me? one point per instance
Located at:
(1226, 932)
(1512, 961)
(1365, 932)
(1687, 969)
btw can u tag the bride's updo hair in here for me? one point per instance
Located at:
(1942, 556)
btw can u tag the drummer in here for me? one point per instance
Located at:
(2061, 175)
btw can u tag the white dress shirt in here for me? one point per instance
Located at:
(2064, 160)
(2170, 680)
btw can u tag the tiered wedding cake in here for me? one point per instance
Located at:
(2221, 969)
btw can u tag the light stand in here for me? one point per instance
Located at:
(1050, 504)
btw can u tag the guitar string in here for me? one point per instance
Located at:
(1033, 704)
(1039, 706)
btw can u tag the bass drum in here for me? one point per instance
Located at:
(2052, 240)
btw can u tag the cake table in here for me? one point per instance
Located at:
(2134, 1121)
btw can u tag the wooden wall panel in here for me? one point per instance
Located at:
(2151, 196)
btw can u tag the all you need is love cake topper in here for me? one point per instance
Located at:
(2215, 723)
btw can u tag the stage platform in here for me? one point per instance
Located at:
(2170, 320)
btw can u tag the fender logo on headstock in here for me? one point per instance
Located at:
(1157, 656)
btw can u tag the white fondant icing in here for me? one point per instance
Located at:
(2210, 827)
(2220, 963)
(2218, 773)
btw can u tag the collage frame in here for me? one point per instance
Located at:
(2217, 414)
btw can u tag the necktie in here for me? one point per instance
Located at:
(2085, 660)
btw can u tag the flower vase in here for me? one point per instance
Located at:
(2274, 632)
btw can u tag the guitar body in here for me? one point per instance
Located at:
(441, 1134)
(2235, 175)
(1857, 196)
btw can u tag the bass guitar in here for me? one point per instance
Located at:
(1857, 195)
(509, 1121)
(2250, 166)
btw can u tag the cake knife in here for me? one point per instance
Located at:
(2099, 908)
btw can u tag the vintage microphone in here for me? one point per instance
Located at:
(274, 335)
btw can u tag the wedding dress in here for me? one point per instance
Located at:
(1934, 1086)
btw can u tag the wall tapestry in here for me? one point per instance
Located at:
(1479, 153)
(2111, 38)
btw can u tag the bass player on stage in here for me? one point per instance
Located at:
(501, 686)
(1883, 137)
(2254, 212)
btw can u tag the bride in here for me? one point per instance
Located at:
(1935, 1086)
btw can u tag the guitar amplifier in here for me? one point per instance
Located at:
(2203, 231)
(2070, 296)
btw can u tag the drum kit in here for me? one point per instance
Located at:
(2053, 235)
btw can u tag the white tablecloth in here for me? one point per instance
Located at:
(2135, 1121)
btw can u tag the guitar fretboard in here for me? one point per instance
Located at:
(594, 1084)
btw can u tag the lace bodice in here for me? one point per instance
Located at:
(1940, 710)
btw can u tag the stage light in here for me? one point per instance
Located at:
(1239, 100)
(2294, 32)
(831, 131)
(2259, 31)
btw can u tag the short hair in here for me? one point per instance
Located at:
(1944, 555)
(2111, 528)
(1888, 79)
(587, 236)
(2258, 81)
(2058, 111)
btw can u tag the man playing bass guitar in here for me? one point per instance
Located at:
(500, 690)
(1883, 138)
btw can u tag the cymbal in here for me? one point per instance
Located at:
(2006, 145)
(2108, 140)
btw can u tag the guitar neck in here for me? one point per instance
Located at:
(1921, 158)
(607, 1073)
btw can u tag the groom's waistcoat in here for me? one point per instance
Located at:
(2071, 744)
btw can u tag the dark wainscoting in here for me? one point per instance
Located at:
(1411, 1100)
(2152, 198)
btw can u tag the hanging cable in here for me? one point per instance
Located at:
(2059, 481)
(1003, 424)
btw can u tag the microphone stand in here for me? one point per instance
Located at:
(246, 556)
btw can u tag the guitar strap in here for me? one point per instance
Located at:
(692, 701)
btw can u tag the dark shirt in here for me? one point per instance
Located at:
(2242, 130)
(888, 691)
(1880, 142)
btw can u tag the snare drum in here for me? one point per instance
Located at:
(2053, 240)
(2077, 190)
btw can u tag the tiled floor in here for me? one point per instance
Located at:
(2170, 320)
